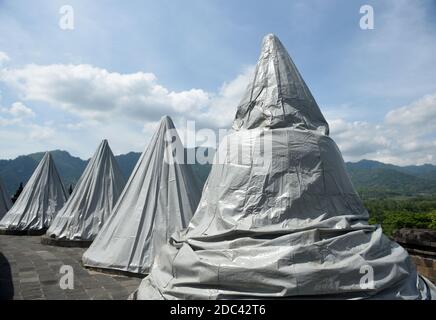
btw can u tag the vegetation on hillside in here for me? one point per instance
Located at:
(397, 213)
(396, 197)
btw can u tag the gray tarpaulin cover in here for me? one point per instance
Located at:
(5, 200)
(284, 225)
(159, 198)
(41, 199)
(92, 200)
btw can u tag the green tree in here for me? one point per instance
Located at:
(17, 193)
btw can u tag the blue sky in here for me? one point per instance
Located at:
(126, 63)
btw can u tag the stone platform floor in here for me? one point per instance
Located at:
(30, 270)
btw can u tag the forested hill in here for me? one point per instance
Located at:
(376, 179)
(371, 178)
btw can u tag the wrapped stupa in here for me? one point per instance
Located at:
(282, 219)
(39, 202)
(160, 198)
(91, 202)
(5, 200)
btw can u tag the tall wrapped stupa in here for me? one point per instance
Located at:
(279, 216)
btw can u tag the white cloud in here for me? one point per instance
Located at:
(94, 93)
(125, 108)
(421, 113)
(3, 58)
(8, 121)
(407, 136)
(15, 114)
(85, 124)
(19, 110)
(121, 107)
(38, 132)
(222, 107)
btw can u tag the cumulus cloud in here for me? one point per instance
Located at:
(38, 132)
(95, 93)
(120, 107)
(19, 110)
(15, 114)
(421, 113)
(7, 122)
(3, 58)
(125, 108)
(222, 106)
(406, 136)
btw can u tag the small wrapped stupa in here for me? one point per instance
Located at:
(39, 202)
(160, 198)
(91, 202)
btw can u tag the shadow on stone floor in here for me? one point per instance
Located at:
(6, 284)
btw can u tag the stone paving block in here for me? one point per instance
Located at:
(26, 269)
(45, 255)
(53, 292)
(29, 280)
(48, 282)
(57, 297)
(131, 288)
(130, 282)
(30, 295)
(111, 285)
(27, 273)
(119, 296)
(77, 295)
(95, 291)
(48, 276)
(101, 297)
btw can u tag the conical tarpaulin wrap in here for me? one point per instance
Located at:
(5, 200)
(160, 198)
(92, 200)
(281, 219)
(39, 202)
(278, 96)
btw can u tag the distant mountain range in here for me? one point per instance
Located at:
(70, 168)
(377, 179)
(371, 178)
